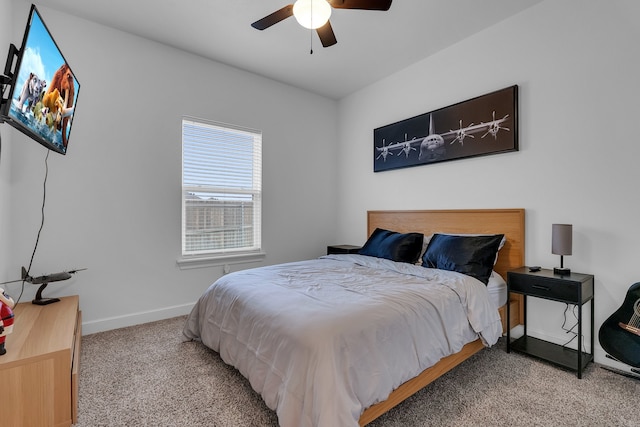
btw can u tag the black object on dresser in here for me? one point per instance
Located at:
(574, 288)
(343, 249)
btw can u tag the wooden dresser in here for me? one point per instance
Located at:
(39, 372)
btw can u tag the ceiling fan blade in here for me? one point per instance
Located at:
(361, 4)
(327, 37)
(274, 18)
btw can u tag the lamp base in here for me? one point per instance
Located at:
(561, 271)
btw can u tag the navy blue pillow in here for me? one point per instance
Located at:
(394, 246)
(470, 255)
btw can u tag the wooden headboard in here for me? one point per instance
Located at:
(509, 222)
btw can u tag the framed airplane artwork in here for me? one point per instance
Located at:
(484, 125)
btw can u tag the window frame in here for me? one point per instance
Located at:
(225, 255)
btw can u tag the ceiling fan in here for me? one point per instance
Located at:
(314, 14)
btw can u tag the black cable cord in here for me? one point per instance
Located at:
(44, 199)
(571, 329)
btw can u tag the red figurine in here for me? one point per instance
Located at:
(6, 318)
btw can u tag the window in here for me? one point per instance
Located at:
(221, 190)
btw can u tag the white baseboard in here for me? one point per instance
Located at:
(101, 325)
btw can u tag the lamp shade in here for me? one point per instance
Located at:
(561, 239)
(312, 14)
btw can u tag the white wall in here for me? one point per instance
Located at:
(113, 203)
(5, 164)
(577, 73)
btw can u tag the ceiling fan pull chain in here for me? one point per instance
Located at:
(311, 31)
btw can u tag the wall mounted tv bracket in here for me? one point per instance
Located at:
(8, 77)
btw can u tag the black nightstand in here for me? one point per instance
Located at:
(574, 288)
(343, 249)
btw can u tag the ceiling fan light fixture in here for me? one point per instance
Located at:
(312, 14)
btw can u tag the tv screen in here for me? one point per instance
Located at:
(44, 90)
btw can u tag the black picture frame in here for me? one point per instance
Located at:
(484, 125)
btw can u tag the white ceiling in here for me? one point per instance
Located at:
(371, 44)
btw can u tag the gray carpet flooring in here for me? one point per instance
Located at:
(145, 376)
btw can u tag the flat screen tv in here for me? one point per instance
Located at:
(43, 89)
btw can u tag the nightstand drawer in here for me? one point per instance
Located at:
(575, 288)
(342, 249)
(543, 288)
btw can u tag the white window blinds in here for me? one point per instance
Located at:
(221, 189)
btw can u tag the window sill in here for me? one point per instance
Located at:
(213, 261)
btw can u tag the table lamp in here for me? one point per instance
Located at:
(561, 244)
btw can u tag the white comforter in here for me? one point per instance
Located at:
(322, 340)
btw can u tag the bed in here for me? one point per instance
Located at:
(330, 342)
